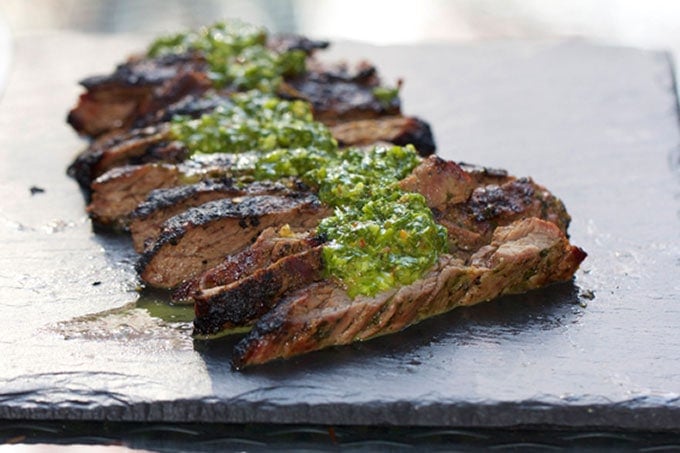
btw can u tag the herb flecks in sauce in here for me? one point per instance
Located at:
(236, 53)
(253, 122)
(380, 237)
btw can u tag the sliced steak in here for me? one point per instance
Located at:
(400, 130)
(126, 148)
(242, 302)
(322, 314)
(137, 88)
(161, 204)
(271, 245)
(201, 237)
(338, 94)
(441, 182)
(141, 87)
(470, 224)
(117, 193)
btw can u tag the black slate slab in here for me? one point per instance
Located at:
(597, 125)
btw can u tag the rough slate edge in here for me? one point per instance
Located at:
(382, 413)
(638, 414)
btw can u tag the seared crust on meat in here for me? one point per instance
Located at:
(323, 315)
(244, 301)
(137, 88)
(142, 86)
(271, 245)
(162, 204)
(118, 192)
(471, 224)
(339, 94)
(121, 148)
(201, 237)
(400, 130)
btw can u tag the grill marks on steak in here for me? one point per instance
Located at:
(400, 130)
(244, 301)
(201, 237)
(446, 187)
(117, 193)
(471, 224)
(323, 315)
(246, 285)
(141, 87)
(339, 94)
(162, 204)
(270, 246)
(126, 148)
(135, 89)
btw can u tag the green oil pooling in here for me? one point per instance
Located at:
(236, 54)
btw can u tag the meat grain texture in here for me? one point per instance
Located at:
(248, 255)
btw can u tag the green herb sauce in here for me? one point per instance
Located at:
(379, 236)
(236, 53)
(253, 122)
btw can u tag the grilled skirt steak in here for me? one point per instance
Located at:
(400, 130)
(137, 88)
(249, 254)
(445, 185)
(340, 94)
(471, 224)
(153, 144)
(162, 204)
(120, 148)
(244, 301)
(322, 314)
(201, 237)
(141, 87)
(118, 192)
(271, 245)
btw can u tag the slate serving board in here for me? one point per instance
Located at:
(597, 125)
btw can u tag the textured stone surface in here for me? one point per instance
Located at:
(596, 125)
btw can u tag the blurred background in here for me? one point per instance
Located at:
(647, 24)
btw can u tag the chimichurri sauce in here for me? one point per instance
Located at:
(379, 237)
(236, 53)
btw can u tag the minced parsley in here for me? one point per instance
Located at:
(379, 236)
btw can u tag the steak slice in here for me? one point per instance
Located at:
(136, 146)
(243, 301)
(142, 86)
(322, 314)
(339, 94)
(271, 245)
(117, 193)
(161, 204)
(154, 143)
(470, 224)
(400, 130)
(136, 88)
(441, 182)
(445, 185)
(201, 237)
